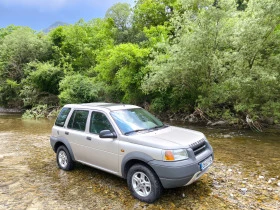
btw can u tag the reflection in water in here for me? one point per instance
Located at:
(14, 123)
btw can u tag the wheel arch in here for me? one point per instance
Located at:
(63, 142)
(135, 158)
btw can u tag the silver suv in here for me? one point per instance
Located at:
(129, 142)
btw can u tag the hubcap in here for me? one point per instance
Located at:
(62, 158)
(141, 184)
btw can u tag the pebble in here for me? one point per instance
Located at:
(245, 178)
(261, 177)
(231, 195)
(244, 182)
(227, 136)
(244, 190)
(272, 179)
(269, 189)
(269, 181)
(183, 195)
(230, 170)
(278, 184)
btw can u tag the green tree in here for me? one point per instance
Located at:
(19, 47)
(222, 60)
(121, 68)
(121, 14)
(6, 31)
(149, 13)
(77, 45)
(190, 64)
(124, 32)
(41, 85)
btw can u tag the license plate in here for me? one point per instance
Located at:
(206, 163)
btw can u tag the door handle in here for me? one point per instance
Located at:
(88, 138)
(66, 132)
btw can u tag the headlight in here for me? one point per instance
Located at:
(174, 155)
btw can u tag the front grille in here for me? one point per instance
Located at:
(198, 147)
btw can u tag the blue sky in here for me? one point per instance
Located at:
(39, 14)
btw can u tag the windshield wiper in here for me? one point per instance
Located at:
(158, 126)
(134, 131)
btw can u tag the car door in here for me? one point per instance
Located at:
(76, 134)
(104, 151)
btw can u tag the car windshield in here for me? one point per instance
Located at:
(135, 120)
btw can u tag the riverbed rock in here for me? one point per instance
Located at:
(269, 181)
(227, 136)
(243, 190)
(5, 110)
(221, 122)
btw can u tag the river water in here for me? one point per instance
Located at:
(245, 174)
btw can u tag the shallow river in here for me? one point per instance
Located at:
(245, 174)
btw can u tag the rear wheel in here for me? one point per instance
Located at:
(64, 159)
(143, 183)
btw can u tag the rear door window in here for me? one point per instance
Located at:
(60, 121)
(78, 120)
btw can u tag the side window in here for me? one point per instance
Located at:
(61, 118)
(99, 122)
(78, 120)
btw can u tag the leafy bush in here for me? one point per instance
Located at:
(40, 111)
(78, 88)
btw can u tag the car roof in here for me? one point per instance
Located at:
(102, 106)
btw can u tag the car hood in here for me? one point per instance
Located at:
(167, 138)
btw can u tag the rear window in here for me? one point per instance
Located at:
(60, 121)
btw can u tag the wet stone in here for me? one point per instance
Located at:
(243, 190)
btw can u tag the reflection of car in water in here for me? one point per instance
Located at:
(128, 141)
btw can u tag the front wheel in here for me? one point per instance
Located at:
(64, 159)
(143, 183)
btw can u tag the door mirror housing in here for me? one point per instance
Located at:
(107, 134)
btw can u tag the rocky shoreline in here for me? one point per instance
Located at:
(10, 110)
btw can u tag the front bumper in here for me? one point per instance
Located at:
(180, 173)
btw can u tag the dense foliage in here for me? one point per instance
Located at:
(221, 57)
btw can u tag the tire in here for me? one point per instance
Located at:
(63, 159)
(143, 183)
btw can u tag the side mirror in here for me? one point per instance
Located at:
(107, 134)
